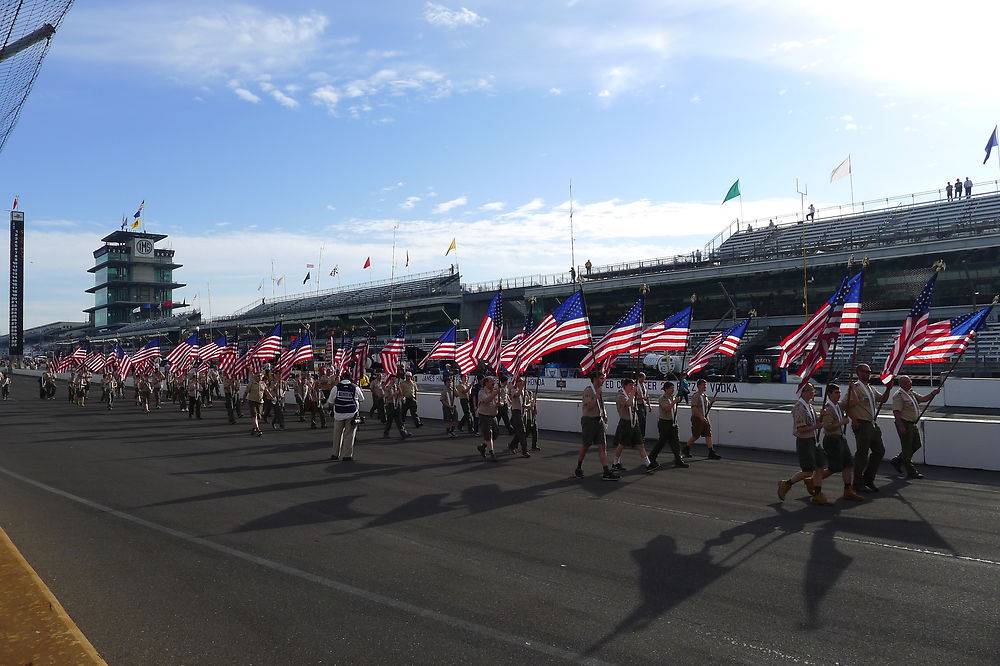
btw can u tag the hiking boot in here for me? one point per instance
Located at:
(712, 455)
(578, 473)
(482, 450)
(652, 467)
(680, 463)
(810, 486)
(783, 488)
(820, 498)
(850, 494)
(610, 476)
(897, 465)
(687, 451)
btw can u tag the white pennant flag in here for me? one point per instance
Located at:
(281, 280)
(841, 171)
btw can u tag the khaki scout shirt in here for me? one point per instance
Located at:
(597, 409)
(488, 401)
(699, 406)
(462, 391)
(626, 407)
(803, 416)
(668, 408)
(860, 402)
(905, 402)
(408, 388)
(831, 418)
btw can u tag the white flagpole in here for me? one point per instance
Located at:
(850, 173)
(319, 270)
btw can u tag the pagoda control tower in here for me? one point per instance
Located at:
(130, 274)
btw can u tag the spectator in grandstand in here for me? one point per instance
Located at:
(572, 274)
(948, 190)
(968, 187)
(811, 215)
(589, 266)
(958, 188)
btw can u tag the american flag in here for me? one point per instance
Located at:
(815, 359)
(230, 355)
(463, 357)
(724, 343)
(150, 352)
(95, 361)
(123, 362)
(911, 334)
(795, 345)
(331, 349)
(443, 349)
(338, 361)
(621, 338)
(360, 360)
(80, 353)
(391, 353)
(181, 367)
(269, 345)
(489, 335)
(183, 349)
(850, 322)
(212, 350)
(948, 337)
(509, 351)
(288, 358)
(668, 335)
(567, 325)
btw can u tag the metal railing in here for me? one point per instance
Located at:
(844, 210)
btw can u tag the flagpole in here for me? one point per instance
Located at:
(572, 239)
(319, 270)
(850, 173)
(392, 275)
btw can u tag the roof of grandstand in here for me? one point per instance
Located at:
(423, 285)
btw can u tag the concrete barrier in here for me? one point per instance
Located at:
(950, 442)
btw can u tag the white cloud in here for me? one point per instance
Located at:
(850, 127)
(394, 186)
(695, 99)
(222, 224)
(326, 96)
(284, 100)
(331, 207)
(444, 17)
(555, 91)
(493, 205)
(782, 91)
(847, 118)
(246, 95)
(410, 203)
(196, 42)
(446, 206)
(606, 232)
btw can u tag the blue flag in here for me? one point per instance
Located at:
(991, 144)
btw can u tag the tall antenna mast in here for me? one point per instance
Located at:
(572, 239)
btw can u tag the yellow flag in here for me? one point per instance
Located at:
(451, 247)
(138, 221)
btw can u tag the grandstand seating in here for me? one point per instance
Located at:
(902, 224)
(446, 283)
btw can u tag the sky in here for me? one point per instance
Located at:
(263, 133)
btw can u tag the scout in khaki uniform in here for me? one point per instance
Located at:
(838, 453)
(666, 425)
(449, 413)
(700, 425)
(628, 403)
(462, 393)
(487, 407)
(904, 410)
(593, 424)
(812, 459)
(408, 389)
(531, 418)
(516, 397)
(860, 405)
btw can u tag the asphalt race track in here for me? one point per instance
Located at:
(176, 541)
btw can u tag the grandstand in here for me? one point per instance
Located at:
(782, 268)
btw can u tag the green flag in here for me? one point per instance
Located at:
(734, 191)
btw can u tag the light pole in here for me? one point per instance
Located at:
(975, 339)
